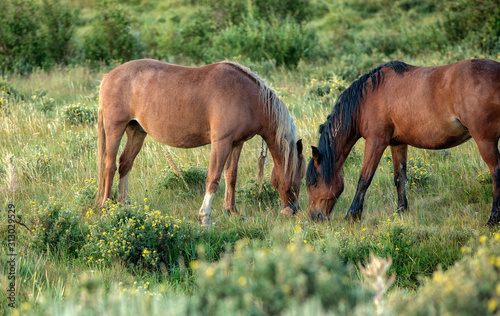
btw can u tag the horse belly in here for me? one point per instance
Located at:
(179, 136)
(433, 134)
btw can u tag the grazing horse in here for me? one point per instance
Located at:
(398, 105)
(223, 104)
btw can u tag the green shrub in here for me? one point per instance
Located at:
(257, 280)
(232, 11)
(470, 287)
(195, 178)
(58, 26)
(475, 21)
(77, 114)
(485, 178)
(401, 243)
(111, 36)
(138, 236)
(81, 143)
(225, 12)
(418, 173)
(37, 166)
(326, 90)
(34, 34)
(250, 194)
(22, 49)
(299, 10)
(193, 38)
(55, 227)
(8, 95)
(284, 41)
(42, 102)
(86, 194)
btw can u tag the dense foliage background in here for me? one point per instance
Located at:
(152, 256)
(44, 33)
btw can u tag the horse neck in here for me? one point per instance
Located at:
(343, 144)
(282, 156)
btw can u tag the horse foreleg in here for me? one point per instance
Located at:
(374, 148)
(230, 174)
(218, 157)
(489, 153)
(399, 154)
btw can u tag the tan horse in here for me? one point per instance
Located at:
(222, 104)
(399, 105)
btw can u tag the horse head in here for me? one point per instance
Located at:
(287, 181)
(324, 184)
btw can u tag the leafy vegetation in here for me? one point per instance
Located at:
(151, 256)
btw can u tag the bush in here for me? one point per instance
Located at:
(327, 91)
(77, 114)
(193, 38)
(86, 194)
(401, 243)
(138, 236)
(8, 94)
(470, 287)
(250, 194)
(418, 173)
(195, 179)
(476, 21)
(58, 26)
(37, 166)
(232, 11)
(21, 49)
(286, 42)
(34, 34)
(55, 228)
(257, 280)
(110, 36)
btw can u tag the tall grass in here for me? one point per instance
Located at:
(47, 156)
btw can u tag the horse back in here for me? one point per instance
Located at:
(183, 106)
(435, 107)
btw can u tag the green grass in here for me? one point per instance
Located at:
(48, 155)
(57, 159)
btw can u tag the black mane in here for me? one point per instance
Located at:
(343, 118)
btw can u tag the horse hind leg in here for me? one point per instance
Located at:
(489, 153)
(218, 157)
(230, 174)
(399, 155)
(113, 136)
(135, 139)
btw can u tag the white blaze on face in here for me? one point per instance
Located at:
(206, 206)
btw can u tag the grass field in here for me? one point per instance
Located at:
(152, 257)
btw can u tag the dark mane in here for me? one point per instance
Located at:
(344, 118)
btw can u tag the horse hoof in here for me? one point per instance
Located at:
(287, 211)
(352, 217)
(205, 221)
(491, 223)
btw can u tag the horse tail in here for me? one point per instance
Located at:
(262, 162)
(101, 159)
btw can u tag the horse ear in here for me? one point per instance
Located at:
(299, 146)
(315, 154)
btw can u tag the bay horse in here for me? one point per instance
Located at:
(397, 105)
(222, 104)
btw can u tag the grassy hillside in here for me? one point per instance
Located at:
(152, 256)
